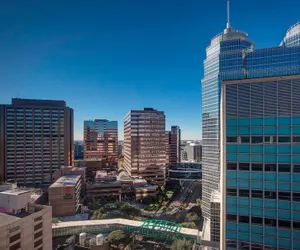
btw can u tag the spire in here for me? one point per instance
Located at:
(228, 14)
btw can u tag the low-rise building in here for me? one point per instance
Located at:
(103, 191)
(64, 195)
(24, 225)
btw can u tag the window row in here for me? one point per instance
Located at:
(264, 194)
(262, 139)
(262, 221)
(268, 167)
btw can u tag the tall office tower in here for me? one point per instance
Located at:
(144, 145)
(78, 150)
(36, 139)
(101, 140)
(175, 144)
(292, 37)
(223, 61)
(167, 147)
(260, 152)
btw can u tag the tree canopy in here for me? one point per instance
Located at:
(182, 245)
(116, 236)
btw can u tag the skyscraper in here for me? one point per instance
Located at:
(144, 145)
(223, 61)
(36, 139)
(260, 150)
(175, 144)
(173, 141)
(101, 140)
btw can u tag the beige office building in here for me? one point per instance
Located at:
(24, 225)
(145, 145)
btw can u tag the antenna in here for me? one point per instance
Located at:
(228, 14)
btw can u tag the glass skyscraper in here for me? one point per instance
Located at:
(260, 149)
(224, 60)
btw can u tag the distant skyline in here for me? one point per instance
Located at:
(106, 58)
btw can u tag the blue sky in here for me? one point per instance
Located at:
(107, 57)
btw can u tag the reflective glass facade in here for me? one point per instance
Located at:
(224, 60)
(292, 37)
(261, 156)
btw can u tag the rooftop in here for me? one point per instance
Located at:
(15, 192)
(66, 180)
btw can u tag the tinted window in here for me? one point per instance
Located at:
(231, 192)
(267, 139)
(296, 196)
(231, 166)
(270, 222)
(284, 196)
(284, 223)
(257, 167)
(284, 168)
(296, 139)
(297, 168)
(284, 139)
(232, 139)
(256, 194)
(244, 219)
(257, 139)
(270, 167)
(257, 220)
(231, 217)
(270, 195)
(244, 166)
(243, 193)
(245, 139)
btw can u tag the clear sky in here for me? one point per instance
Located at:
(107, 57)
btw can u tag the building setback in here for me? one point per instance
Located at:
(260, 150)
(36, 138)
(145, 145)
(101, 140)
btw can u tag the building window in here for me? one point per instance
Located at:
(244, 166)
(232, 139)
(38, 218)
(296, 139)
(38, 234)
(256, 220)
(256, 194)
(296, 168)
(284, 223)
(284, 168)
(14, 238)
(231, 217)
(245, 139)
(284, 139)
(257, 167)
(38, 226)
(270, 222)
(231, 166)
(284, 196)
(16, 246)
(270, 195)
(270, 167)
(231, 192)
(257, 139)
(267, 139)
(244, 219)
(37, 243)
(243, 193)
(296, 196)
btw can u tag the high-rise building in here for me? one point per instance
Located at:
(175, 145)
(36, 139)
(24, 225)
(101, 140)
(144, 145)
(292, 37)
(260, 151)
(78, 150)
(192, 152)
(223, 60)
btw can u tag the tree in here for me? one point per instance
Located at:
(54, 220)
(130, 211)
(99, 214)
(189, 225)
(116, 236)
(191, 217)
(182, 245)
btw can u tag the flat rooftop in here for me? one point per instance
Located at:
(66, 181)
(15, 192)
(7, 219)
